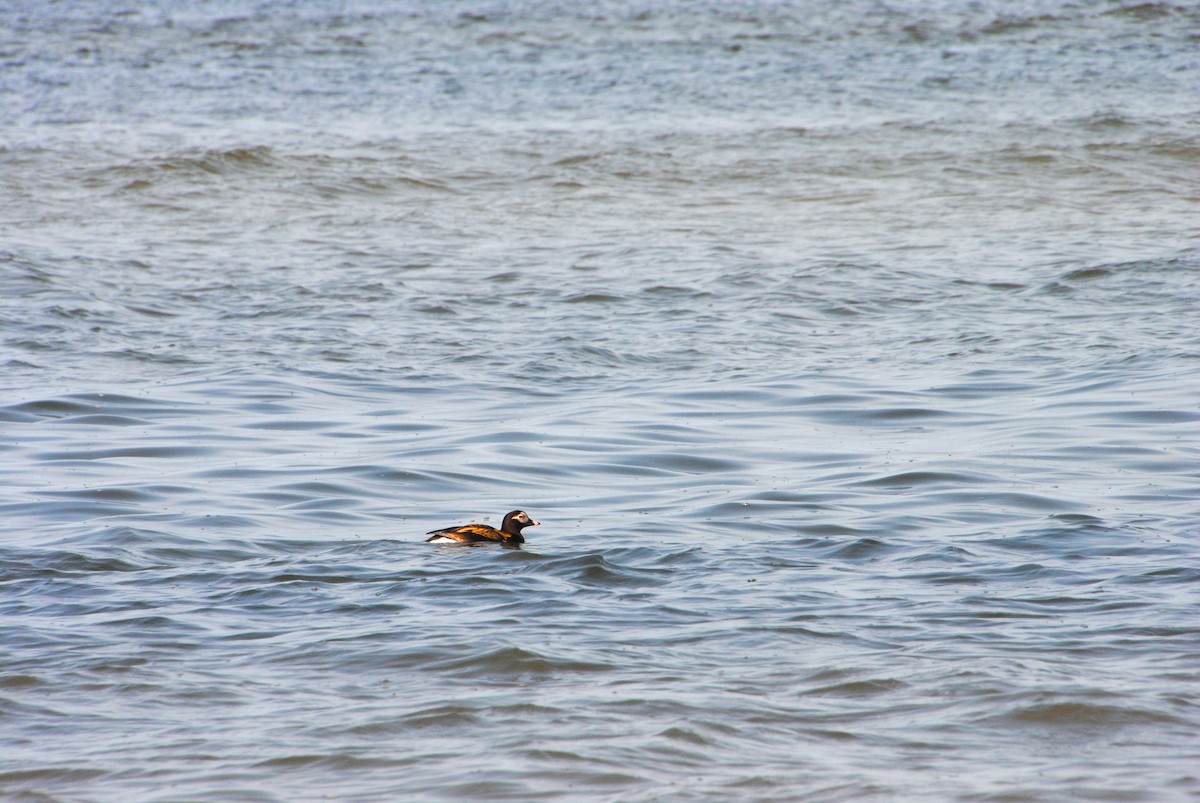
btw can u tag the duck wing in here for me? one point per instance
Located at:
(466, 534)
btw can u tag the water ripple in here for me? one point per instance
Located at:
(858, 414)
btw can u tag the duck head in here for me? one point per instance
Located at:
(516, 521)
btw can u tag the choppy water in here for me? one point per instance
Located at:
(848, 356)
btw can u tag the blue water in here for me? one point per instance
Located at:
(847, 357)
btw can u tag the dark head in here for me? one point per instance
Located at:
(516, 521)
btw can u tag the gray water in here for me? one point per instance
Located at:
(846, 352)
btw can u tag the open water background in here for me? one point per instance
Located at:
(848, 354)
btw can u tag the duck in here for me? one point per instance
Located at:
(509, 533)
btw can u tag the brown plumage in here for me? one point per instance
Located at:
(509, 533)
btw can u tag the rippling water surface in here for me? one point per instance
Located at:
(848, 356)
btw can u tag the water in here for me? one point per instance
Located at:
(846, 354)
